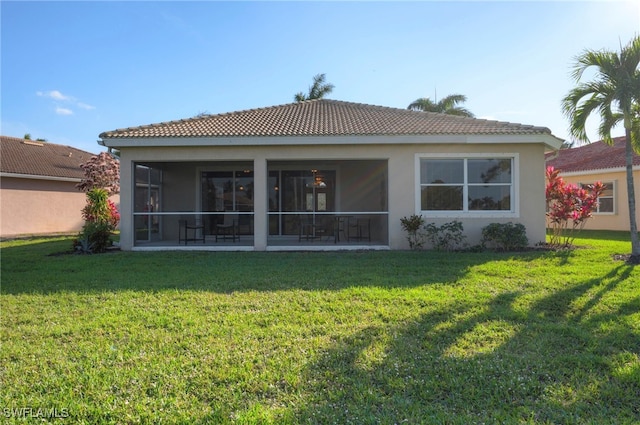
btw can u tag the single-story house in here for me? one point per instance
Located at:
(324, 174)
(37, 187)
(598, 161)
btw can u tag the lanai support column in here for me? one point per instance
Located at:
(127, 174)
(260, 204)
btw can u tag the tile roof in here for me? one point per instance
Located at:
(323, 117)
(594, 156)
(20, 156)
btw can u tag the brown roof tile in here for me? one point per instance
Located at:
(594, 156)
(323, 118)
(20, 156)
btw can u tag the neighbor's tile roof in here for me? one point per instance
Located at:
(594, 156)
(20, 156)
(323, 118)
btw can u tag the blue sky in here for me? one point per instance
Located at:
(71, 70)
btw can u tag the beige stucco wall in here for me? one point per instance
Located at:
(30, 207)
(619, 220)
(402, 180)
(40, 207)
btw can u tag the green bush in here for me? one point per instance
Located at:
(447, 237)
(97, 207)
(505, 236)
(95, 237)
(413, 226)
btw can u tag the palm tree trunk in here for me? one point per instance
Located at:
(635, 242)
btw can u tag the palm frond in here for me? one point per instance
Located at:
(450, 102)
(459, 111)
(423, 104)
(446, 105)
(317, 90)
(630, 56)
(605, 61)
(608, 120)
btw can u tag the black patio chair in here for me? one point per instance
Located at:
(193, 226)
(228, 228)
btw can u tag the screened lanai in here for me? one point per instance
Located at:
(318, 204)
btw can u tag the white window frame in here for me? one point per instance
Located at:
(613, 197)
(515, 195)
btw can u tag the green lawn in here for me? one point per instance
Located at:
(321, 338)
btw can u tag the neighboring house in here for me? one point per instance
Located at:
(598, 161)
(324, 174)
(37, 187)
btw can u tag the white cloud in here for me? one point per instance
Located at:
(85, 106)
(69, 101)
(63, 111)
(55, 94)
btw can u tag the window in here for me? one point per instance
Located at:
(605, 200)
(467, 184)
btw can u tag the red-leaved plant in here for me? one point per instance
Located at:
(114, 214)
(101, 216)
(568, 207)
(101, 172)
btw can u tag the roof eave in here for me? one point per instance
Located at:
(549, 141)
(40, 177)
(554, 143)
(598, 171)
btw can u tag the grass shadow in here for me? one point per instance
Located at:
(553, 362)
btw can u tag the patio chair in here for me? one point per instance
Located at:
(325, 226)
(193, 226)
(311, 229)
(359, 229)
(306, 228)
(228, 228)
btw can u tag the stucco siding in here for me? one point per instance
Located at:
(30, 207)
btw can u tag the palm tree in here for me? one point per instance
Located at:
(614, 94)
(318, 89)
(447, 105)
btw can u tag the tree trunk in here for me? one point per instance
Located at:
(635, 242)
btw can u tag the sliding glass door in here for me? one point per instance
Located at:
(227, 192)
(147, 202)
(296, 195)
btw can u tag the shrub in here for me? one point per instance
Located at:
(97, 208)
(95, 237)
(413, 226)
(101, 218)
(82, 245)
(568, 204)
(505, 236)
(447, 237)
